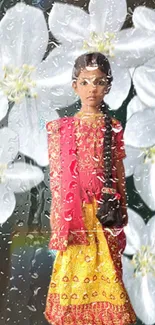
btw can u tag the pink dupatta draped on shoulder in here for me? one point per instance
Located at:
(66, 210)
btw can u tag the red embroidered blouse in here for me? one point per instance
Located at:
(89, 133)
(77, 172)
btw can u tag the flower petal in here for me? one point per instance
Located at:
(139, 130)
(128, 272)
(68, 22)
(8, 145)
(56, 70)
(28, 119)
(144, 82)
(134, 156)
(134, 231)
(107, 16)
(120, 87)
(21, 177)
(142, 296)
(144, 17)
(150, 63)
(3, 106)
(23, 35)
(7, 203)
(144, 176)
(151, 232)
(54, 74)
(134, 47)
(63, 97)
(69, 51)
(43, 109)
(135, 105)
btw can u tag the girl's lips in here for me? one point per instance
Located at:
(91, 97)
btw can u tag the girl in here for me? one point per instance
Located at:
(86, 286)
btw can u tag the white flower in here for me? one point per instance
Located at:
(14, 177)
(100, 31)
(144, 82)
(139, 139)
(36, 86)
(144, 76)
(139, 272)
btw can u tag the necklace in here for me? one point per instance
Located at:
(88, 114)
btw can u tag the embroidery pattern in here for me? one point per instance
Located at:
(89, 139)
(89, 280)
(99, 313)
(53, 130)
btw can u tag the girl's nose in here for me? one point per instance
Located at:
(92, 88)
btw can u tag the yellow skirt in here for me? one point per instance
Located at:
(86, 285)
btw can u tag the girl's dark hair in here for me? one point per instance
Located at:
(102, 63)
(92, 59)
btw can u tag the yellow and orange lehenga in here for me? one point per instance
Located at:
(86, 285)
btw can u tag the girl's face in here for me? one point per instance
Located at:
(91, 86)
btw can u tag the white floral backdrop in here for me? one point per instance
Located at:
(35, 87)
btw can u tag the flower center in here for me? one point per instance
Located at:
(3, 168)
(144, 261)
(18, 83)
(149, 155)
(100, 42)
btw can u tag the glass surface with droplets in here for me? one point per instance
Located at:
(35, 88)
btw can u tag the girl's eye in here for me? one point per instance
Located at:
(101, 83)
(84, 83)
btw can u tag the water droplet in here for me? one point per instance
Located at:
(14, 288)
(20, 223)
(34, 275)
(32, 308)
(36, 291)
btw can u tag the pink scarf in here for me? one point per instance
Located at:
(66, 213)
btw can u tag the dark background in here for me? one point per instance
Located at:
(25, 262)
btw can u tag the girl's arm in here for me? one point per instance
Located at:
(121, 188)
